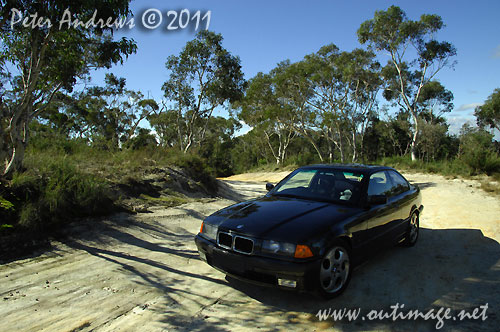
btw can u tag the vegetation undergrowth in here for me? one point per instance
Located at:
(66, 179)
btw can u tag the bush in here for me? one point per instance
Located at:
(7, 214)
(452, 167)
(482, 161)
(196, 167)
(478, 152)
(56, 193)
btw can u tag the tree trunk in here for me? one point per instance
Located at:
(340, 144)
(330, 153)
(341, 148)
(362, 147)
(190, 134)
(279, 160)
(189, 142)
(18, 140)
(3, 152)
(316, 148)
(413, 148)
(276, 156)
(203, 133)
(308, 137)
(354, 148)
(16, 158)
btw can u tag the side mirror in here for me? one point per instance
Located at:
(377, 199)
(269, 186)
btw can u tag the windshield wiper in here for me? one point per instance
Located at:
(287, 195)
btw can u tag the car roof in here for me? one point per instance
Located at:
(366, 169)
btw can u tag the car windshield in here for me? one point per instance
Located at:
(322, 184)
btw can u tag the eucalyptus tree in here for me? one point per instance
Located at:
(434, 133)
(488, 114)
(327, 94)
(344, 92)
(361, 75)
(202, 77)
(166, 127)
(295, 90)
(38, 61)
(434, 101)
(112, 111)
(266, 108)
(415, 57)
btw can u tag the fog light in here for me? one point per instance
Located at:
(287, 283)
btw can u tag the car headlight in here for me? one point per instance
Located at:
(279, 248)
(209, 231)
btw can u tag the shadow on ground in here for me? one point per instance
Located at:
(455, 268)
(451, 268)
(423, 185)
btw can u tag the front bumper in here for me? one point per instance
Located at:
(256, 269)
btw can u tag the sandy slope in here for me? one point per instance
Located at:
(143, 274)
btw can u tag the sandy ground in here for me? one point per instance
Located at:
(142, 273)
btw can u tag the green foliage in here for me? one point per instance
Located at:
(57, 192)
(143, 139)
(489, 113)
(69, 179)
(202, 77)
(166, 201)
(409, 75)
(454, 167)
(108, 115)
(167, 125)
(196, 167)
(434, 98)
(38, 62)
(218, 141)
(477, 151)
(5, 204)
(476, 156)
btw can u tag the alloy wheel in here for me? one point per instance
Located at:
(334, 270)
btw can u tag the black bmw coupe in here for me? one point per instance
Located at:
(311, 229)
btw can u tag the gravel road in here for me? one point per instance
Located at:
(142, 273)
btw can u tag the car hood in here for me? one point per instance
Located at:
(280, 218)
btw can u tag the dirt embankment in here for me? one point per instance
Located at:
(134, 192)
(142, 273)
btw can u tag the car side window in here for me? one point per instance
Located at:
(379, 184)
(399, 184)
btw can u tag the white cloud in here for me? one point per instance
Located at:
(244, 129)
(456, 122)
(467, 107)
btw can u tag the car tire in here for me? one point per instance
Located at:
(412, 234)
(335, 270)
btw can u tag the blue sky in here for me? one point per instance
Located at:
(263, 33)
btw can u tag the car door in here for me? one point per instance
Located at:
(403, 197)
(383, 216)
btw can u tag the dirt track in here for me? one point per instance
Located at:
(143, 274)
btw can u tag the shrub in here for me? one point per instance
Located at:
(58, 193)
(477, 151)
(197, 168)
